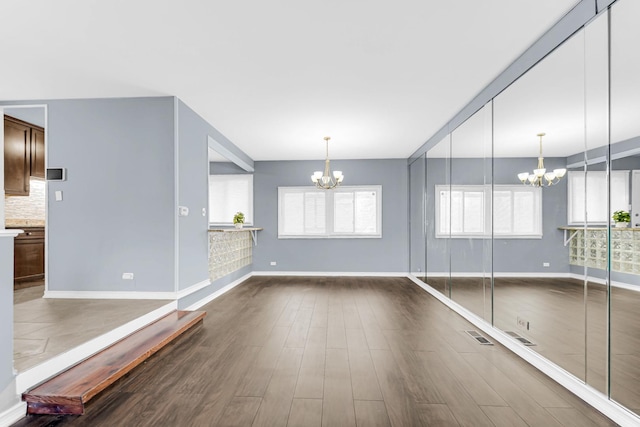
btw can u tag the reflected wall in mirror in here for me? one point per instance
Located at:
(417, 252)
(468, 216)
(625, 195)
(589, 182)
(534, 298)
(438, 175)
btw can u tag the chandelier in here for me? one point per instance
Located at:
(535, 179)
(326, 180)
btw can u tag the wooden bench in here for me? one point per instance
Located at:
(68, 392)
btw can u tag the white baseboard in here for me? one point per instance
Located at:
(13, 414)
(587, 393)
(216, 294)
(49, 368)
(516, 275)
(600, 281)
(126, 294)
(496, 274)
(109, 295)
(327, 274)
(191, 289)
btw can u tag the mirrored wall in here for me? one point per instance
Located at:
(513, 211)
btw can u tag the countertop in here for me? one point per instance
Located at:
(232, 229)
(19, 223)
(613, 228)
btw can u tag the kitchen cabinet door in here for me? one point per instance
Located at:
(37, 153)
(16, 158)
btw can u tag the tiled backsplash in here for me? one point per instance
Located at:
(30, 207)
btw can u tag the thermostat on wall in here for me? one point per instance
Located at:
(56, 174)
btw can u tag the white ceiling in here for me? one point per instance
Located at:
(564, 96)
(379, 77)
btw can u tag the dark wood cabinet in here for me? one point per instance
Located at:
(23, 155)
(37, 152)
(17, 141)
(29, 255)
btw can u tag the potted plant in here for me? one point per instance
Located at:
(622, 218)
(238, 219)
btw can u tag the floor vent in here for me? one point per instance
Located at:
(523, 340)
(476, 336)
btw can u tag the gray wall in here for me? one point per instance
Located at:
(417, 251)
(509, 255)
(388, 254)
(118, 209)
(193, 171)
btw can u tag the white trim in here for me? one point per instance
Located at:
(46, 198)
(176, 197)
(592, 279)
(328, 273)
(497, 274)
(216, 294)
(587, 393)
(127, 294)
(193, 288)
(9, 233)
(603, 282)
(625, 286)
(224, 151)
(61, 362)
(13, 414)
(109, 295)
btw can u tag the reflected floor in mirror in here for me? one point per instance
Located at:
(553, 316)
(44, 328)
(338, 351)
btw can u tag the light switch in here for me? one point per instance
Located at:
(58, 195)
(183, 211)
(204, 211)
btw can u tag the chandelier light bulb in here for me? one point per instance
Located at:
(535, 179)
(327, 180)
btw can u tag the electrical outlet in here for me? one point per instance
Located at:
(273, 263)
(545, 264)
(522, 323)
(127, 276)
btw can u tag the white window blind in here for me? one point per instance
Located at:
(587, 196)
(229, 194)
(305, 212)
(465, 211)
(517, 211)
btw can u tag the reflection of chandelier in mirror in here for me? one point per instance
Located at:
(327, 180)
(536, 178)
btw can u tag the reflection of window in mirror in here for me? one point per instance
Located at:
(465, 211)
(593, 211)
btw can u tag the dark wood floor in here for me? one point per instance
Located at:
(278, 351)
(566, 331)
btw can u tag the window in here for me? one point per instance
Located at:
(593, 210)
(305, 212)
(229, 194)
(465, 211)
